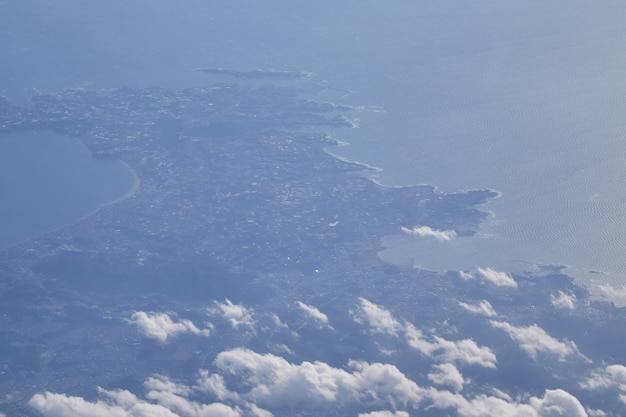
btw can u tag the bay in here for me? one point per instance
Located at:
(48, 181)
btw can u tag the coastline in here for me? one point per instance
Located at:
(129, 193)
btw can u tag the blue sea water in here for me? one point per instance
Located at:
(527, 98)
(49, 180)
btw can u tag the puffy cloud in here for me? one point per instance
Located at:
(558, 403)
(277, 322)
(125, 404)
(466, 275)
(447, 374)
(499, 279)
(313, 312)
(215, 385)
(380, 320)
(611, 376)
(161, 326)
(173, 397)
(425, 231)
(255, 411)
(377, 318)
(484, 308)
(533, 340)
(614, 294)
(555, 403)
(563, 301)
(236, 314)
(385, 413)
(252, 384)
(270, 380)
(464, 351)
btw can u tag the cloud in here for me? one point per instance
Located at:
(499, 279)
(173, 397)
(161, 326)
(466, 275)
(613, 376)
(271, 381)
(447, 374)
(563, 301)
(613, 294)
(125, 404)
(483, 308)
(385, 413)
(555, 403)
(380, 320)
(464, 351)
(533, 340)
(252, 384)
(236, 314)
(425, 231)
(377, 318)
(313, 312)
(277, 322)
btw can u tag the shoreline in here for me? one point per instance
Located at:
(129, 193)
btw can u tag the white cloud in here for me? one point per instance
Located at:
(483, 308)
(499, 279)
(265, 381)
(161, 326)
(447, 374)
(173, 397)
(425, 231)
(313, 312)
(614, 294)
(236, 314)
(125, 404)
(215, 385)
(255, 411)
(466, 275)
(377, 318)
(611, 376)
(533, 340)
(380, 320)
(272, 381)
(277, 322)
(563, 301)
(385, 413)
(464, 351)
(555, 403)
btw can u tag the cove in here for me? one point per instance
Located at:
(49, 180)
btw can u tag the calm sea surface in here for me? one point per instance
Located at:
(49, 180)
(527, 98)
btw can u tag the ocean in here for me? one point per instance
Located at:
(526, 98)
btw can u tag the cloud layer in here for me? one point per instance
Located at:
(252, 384)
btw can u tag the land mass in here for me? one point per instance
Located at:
(230, 174)
(238, 198)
